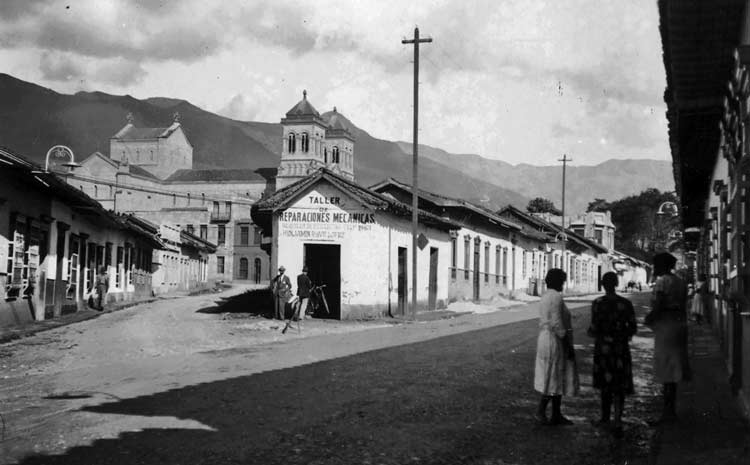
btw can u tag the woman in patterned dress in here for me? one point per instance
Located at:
(612, 325)
(555, 372)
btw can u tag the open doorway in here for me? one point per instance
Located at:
(402, 282)
(324, 267)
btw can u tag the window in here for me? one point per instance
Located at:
(220, 265)
(96, 191)
(216, 208)
(335, 155)
(188, 198)
(228, 210)
(523, 265)
(244, 235)
(204, 232)
(467, 258)
(190, 229)
(325, 155)
(257, 236)
(120, 261)
(243, 268)
(505, 265)
(454, 256)
(486, 262)
(305, 139)
(174, 199)
(203, 199)
(497, 264)
(292, 143)
(221, 236)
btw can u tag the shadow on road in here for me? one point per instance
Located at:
(254, 302)
(465, 398)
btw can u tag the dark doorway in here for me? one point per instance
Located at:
(599, 278)
(432, 296)
(402, 283)
(244, 268)
(324, 267)
(477, 243)
(257, 271)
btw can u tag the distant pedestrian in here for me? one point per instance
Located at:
(303, 291)
(282, 292)
(668, 318)
(555, 373)
(102, 287)
(612, 325)
(698, 305)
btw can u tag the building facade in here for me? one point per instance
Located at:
(54, 239)
(358, 243)
(487, 251)
(596, 226)
(212, 204)
(707, 95)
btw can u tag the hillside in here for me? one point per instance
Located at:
(611, 180)
(34, 118)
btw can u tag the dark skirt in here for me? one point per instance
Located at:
(613, 367)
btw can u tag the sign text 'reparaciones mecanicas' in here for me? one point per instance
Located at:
(324, 224)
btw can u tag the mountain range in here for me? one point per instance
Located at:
(34, 118)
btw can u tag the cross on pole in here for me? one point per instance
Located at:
(414, 194)
(564, 161)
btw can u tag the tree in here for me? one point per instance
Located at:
(640, 230)
(542, 205)
(598, 205)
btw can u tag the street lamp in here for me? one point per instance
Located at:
(60, 153)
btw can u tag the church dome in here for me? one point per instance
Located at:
(303, 108)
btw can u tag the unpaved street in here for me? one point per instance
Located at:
(167, 383)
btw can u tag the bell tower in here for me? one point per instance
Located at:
(303, 143)
(340, 146)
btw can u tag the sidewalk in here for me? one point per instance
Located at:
(711, 428)
(10, 333)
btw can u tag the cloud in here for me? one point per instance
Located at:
(56, 67)
(239, 108)
(61, 67)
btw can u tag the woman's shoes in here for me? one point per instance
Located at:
(560, 421)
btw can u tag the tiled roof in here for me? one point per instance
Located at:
(138, 171)
(36, 178)
(241, 174)
(302, 108)
(130, 132)
(448, 202)
(551, 229)
(283, 199)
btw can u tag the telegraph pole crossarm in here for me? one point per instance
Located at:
(415, 194)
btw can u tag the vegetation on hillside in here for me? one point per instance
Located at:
(542, 205)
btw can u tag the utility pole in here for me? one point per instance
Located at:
(564, 161)
(414, 193)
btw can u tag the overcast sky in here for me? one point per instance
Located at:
(523, 81)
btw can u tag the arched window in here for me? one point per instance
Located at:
(243, 268)
(256, 271)
(292, 143)
(335, 155)
(305, 142)
(96, 191)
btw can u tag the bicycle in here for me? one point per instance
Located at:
(317, 299)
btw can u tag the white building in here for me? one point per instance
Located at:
(358, 243)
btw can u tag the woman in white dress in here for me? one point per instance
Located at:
(555, 373)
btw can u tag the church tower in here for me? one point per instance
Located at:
(340, 146)
(304, 145)
(311, 141)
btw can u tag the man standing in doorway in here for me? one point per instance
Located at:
(303, 291)
(282, 291)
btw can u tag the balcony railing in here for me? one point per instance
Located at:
(221, 216)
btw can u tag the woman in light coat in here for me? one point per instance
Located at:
(555, 373)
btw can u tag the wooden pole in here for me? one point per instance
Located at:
(414, 192)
